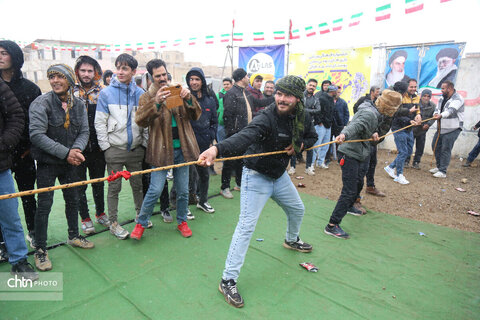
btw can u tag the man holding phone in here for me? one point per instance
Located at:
(171, 141)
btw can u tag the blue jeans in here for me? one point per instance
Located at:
(404, 143)
(323, 137)
(256, 190)
(221, 133)
(474, 153)
(443, 151)
(10, 221)
(157, 183)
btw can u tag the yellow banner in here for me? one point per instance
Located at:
(348, 68)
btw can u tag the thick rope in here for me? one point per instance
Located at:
(126, 174)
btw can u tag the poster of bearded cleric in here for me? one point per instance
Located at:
(267, 61)
(440, 63)
(402, 64)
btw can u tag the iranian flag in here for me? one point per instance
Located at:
(337, 24)
(151, 45)
(103, 48)
(442, 1)
(279, 35)
(176, 43)
(139, 46)
(309, 31)
(109, 47)
(93, 48)
(383, 12)
(78, 49)
(355, 19)
(225, 37)
(163, 44)
(295, 34)
(86, 48)
(324, 28)
(258, 36)
(117, 47)
(209, 39)
(128, 47)
(237, 36)
(56, 48)
(412, 6)
(62, 47)
(48, 47)
(192, 41)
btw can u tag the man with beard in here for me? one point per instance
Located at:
(23, 165)
(283, 125)
(446, 68)
(171, 141)
(269, 89)
(397, 66)
(87, 89)
(449, 115)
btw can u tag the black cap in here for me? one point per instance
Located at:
(239, 74)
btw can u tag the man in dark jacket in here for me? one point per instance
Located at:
(11, 127)
(353, 157)
(238, 110)
(372, 95)
(427, 108)
(283, 125)
(89, 73)
(324, 128)
(205, 129)
(59, 133)
(11, 62)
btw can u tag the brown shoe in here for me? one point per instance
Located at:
(375, 192)
(358, 206)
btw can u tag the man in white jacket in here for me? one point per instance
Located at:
(119, 136)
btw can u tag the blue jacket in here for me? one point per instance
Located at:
(115, 117)
(205, 128)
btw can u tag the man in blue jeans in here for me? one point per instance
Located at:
(324, 128)
(476, 149)
(171, 141)
(12, 121)
(283, 125)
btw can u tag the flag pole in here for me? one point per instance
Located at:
(288, 43)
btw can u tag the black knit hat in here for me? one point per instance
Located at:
(239, 74)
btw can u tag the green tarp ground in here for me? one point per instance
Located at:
(387, 270)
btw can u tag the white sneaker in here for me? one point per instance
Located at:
(434, 170)
(323, 166)
(291, 171)
(190, 216)
(226, 193)
(310, 171)
(401, 179)
(87, 227)
(118, 231)
(440, 174)
(391, 172)
(170, 175)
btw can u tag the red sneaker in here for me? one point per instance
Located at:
(184, 229)
(137, 232)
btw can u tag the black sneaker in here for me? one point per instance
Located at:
(25, 270)
(230, 292)
(416, 165)
(336, 231)
(3, 252)
(354, 211)
(205, 207)
(298, 245)
(167, 217)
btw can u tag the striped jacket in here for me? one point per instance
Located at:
(452, 113)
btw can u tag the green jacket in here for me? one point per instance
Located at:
(363, 124)
(220, 95)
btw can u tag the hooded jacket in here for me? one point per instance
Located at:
(327, 106)
(269, 131)
(205, 127)
(426, 112)
(158, 120)
(11, 125)
(115, 117)
(89, 98)
(363, 124)
(24, 90)
(452, 111)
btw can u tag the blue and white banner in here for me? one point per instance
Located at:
(268, 61)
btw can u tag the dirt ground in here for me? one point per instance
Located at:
(426, 198)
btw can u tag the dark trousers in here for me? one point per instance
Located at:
(46, 177)
(443, 152)
(353, 173)
(419, 148)
(474, 153)
(25, 176)
(95, 163)
(199, 182)
(372, 165)
(229, 167)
